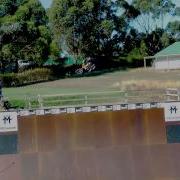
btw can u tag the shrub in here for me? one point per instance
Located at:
(26, 77)
(7, 79)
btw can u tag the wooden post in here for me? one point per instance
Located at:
(168, 62)
(86, 100)
(126, 97)
(40, 101)
(144, 62)
(29, 102)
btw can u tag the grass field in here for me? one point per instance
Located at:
(135, 79)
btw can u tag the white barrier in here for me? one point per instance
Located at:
(8, 122)
(171, 111)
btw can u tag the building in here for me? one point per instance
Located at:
(168, 58)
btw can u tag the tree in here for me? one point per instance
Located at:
(173, 28)
(24, 30)
(152, 12)
(91, 28)
(54, 50)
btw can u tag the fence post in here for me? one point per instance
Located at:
(126, 97)
(29, 102)
(86, 100)
(40, 101)
(25, 100)
(144, 62)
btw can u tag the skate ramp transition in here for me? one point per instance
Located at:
(119, 145)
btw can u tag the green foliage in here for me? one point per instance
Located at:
(24, 32)
(156, 7)
(177, 11)
(18, 103)
(134, 55)
(148, 44)
(166, 39)
(26, 77)
(143, 49)
(90, 27)
(83, 28)
(174, 29)
(54, 50)
(150, 11)
(7, 79)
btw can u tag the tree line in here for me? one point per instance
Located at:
(106, 30)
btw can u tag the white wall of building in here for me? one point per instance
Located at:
(167, 64)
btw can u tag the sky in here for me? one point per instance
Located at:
(177, 2)
(167, 18)
(47, 3)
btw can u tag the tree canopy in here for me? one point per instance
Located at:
(91, 27)
(84, 28)
(23, 31)
(152, 13)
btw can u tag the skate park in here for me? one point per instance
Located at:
(120, 141)
(89, 90)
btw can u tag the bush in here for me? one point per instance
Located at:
(26, 77)
(7, 79)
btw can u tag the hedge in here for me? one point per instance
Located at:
(26, 77)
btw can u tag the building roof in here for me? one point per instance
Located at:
(69, 61)
(173, 49)
(50, 62)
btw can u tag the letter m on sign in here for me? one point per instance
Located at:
(7, 119)
(173, 109)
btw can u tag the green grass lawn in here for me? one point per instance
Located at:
(30, 91)
(136, 79)
(20, 97)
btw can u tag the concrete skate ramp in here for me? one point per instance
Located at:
(121, 145)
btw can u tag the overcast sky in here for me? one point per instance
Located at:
(47, 3)
(167, 18)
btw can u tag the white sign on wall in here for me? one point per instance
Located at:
(101, 108)
(131, 106)
(55, 111)
(109, 107)
(39, 112)
(71, 110)
(116, 107)
(86, 109)
(146, 106)
(79, 109)
(63, 110)
(124, 106)
(8, 121)
(24, 113)
(171, 110)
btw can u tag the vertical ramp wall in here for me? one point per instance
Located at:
(91, 130)
(121, 145)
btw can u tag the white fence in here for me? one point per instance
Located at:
(93, 98)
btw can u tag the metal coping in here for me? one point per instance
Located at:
(88, 108)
